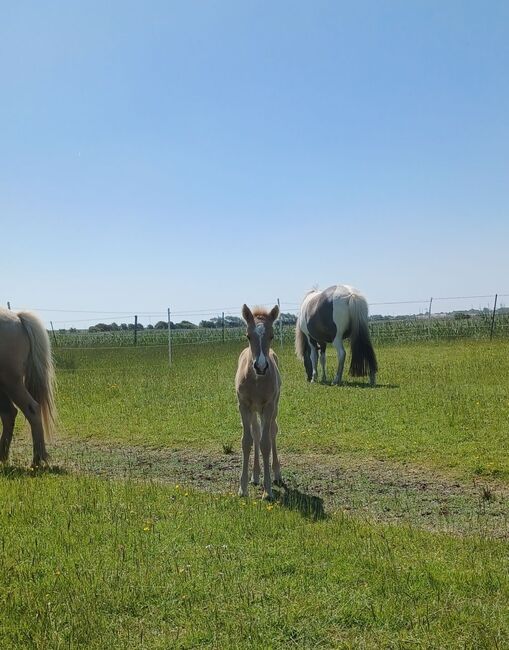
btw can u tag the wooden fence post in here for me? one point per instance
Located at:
(135, 330)
(222, 324)
(54, 335)
(493, 316)
(169, 337)
(280, 324)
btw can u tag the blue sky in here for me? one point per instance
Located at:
(203, 154)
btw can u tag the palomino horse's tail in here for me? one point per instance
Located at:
(40, 372)
(363, 356)
(301, 341)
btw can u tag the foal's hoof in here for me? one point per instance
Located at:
(267, 496)
(242, 493)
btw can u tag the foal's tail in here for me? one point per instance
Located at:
(40, 372)
(363, 356)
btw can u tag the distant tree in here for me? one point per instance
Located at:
(161, 325)
(207, 323)
(150, 326)
(233, 321)
(288, 319)
(73, 330)
(185, 325)
(124, 327)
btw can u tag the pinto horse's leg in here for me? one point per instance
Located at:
(247, 443)
(322, 362)
(340, 349)
(8, 414)
(314, 361)
(276, 465)
(32, 411)
(255, 433)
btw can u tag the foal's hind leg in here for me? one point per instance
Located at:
(340, 349)
(8, 414)
(276, 465)
(32, 411)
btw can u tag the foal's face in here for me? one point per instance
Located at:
(260, 333)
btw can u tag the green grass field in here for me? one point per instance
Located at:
(392, 531)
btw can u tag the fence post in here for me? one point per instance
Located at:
(222, 324)
(169, 337)
(493, 316)
(54, 335)
(135, 330)
(8, 305)
(280, 324)
(429, 317)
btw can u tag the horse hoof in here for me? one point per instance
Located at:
(279, 482)
(267, 496)
(242, 493)
(255, 481)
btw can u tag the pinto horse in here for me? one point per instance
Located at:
(26, 380)
(258, 385)
(329, 316)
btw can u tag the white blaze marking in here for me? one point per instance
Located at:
(262, 360)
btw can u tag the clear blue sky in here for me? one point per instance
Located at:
(203, 154)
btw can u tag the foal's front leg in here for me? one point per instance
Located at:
(256, 435)
(247, 443)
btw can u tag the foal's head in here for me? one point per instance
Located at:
(260, 333)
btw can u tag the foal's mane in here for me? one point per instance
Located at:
(260, 313)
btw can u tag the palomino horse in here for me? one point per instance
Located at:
(258, 384)
(329, 316)
(26, 380)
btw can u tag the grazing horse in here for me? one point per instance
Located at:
(26, 380)
(258, 384)
(329, 316)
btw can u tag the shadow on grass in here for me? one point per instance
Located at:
(309, 505)
(14, 471)
(362, 384)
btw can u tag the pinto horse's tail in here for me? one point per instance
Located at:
(302, 348)
(40, 372)
(363, 355)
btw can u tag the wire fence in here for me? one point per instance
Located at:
(473, 317)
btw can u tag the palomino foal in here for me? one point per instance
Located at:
(258, 384)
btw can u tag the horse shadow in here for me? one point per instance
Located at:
(308, 505)
(361, 384)
(16, 472)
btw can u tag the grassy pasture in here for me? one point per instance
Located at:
(439, 405)
(90, 562)
(121, 564)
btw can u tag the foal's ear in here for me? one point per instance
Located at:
(274, 313)
(247, 315)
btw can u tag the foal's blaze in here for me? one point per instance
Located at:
(260, 333)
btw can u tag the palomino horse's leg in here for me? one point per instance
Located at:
(247, 442)
(8, 414)
(268, 415)
(256, 435)
(338, 344)
(322, 362)
(32, 411)
(276, 466)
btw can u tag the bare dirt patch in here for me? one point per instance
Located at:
(316, 484)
